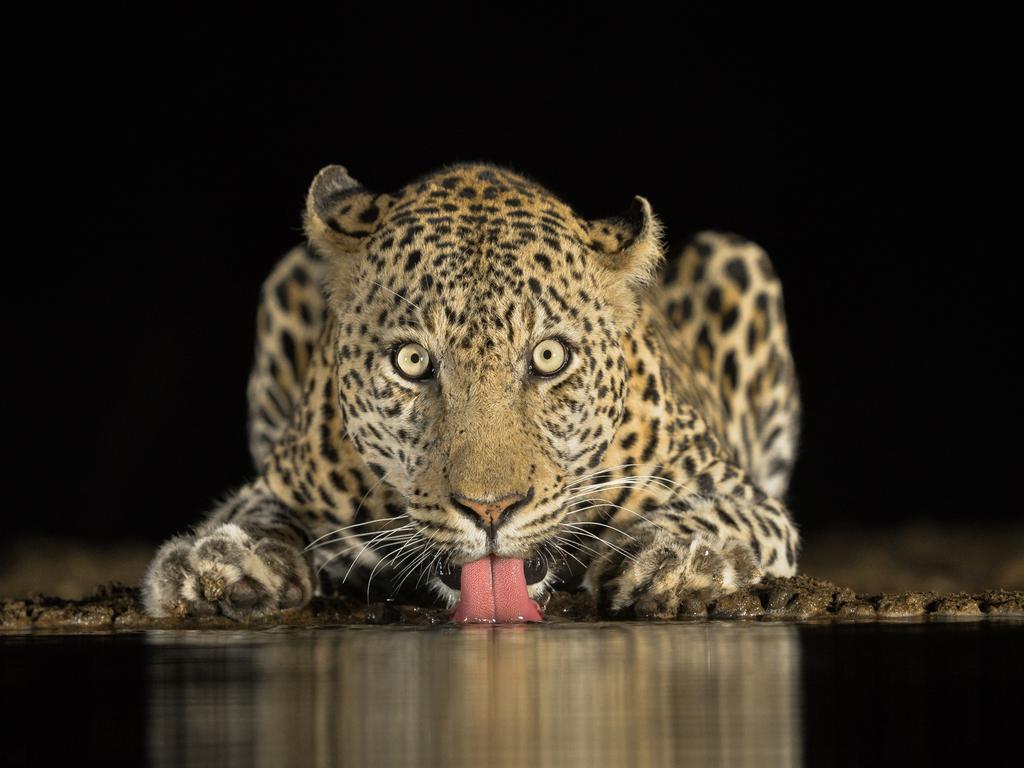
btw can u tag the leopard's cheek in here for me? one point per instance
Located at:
(421, 442)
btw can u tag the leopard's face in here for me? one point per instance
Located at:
(479, 362)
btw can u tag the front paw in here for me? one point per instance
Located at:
(228, 572)
(661, 570)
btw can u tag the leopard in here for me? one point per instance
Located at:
(466, 393)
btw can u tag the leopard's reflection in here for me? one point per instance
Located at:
(593, 695)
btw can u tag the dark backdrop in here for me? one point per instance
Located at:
(171, 159)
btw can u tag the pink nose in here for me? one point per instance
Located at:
(490, 513)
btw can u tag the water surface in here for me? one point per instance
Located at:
(636, 694)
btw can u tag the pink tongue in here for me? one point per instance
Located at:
(494, 591)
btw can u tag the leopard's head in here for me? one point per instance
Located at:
(479, 355)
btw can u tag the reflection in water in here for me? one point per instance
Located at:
(558, 695)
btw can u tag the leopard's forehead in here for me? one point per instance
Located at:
(467, 247)
(483, 192)
(459, 216)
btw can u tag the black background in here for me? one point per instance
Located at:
(168, 161)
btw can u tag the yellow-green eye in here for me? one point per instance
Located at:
(412, 361)
(549, 357)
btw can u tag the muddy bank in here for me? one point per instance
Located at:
(920, 557)
(797, 599)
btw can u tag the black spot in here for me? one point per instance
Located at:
(543, 260)
(534, 285)
(595, 459)
(288, 346)
(704, 340)
(652, 441)
(714, 300)
(336, 480)
(370, 214)
(651, 390)
(410, 234)
(737, 270)
(687, 308)
(706, 524)
(281, 290)
(425, 282)
(726, 518)
(729, 370)
(412, 260)
(770, 440)
(327, 449)
(729, 319)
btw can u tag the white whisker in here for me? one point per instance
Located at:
(624, 509)
(319, 542)
(393, 556)
(633, 481)
(430, 566)
(565, 552)
(338, 554)
(596, 472)
(413, 304)
(603, 525)
(411, 568)
(607, 543)
(386, 534)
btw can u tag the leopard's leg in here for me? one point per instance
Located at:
(245, 561)
(724, 300)
(289, 322)
(719, 523)
(263, 549)
(725, 536)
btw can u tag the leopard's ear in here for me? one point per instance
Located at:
(340, 213)
(629, 245)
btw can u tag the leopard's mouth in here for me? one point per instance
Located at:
(451, 575)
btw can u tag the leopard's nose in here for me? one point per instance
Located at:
(490, 513)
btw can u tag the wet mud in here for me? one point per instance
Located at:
(801, 598)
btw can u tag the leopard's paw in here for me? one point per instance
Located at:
(660, 570)
(226, 571)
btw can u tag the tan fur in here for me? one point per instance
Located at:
(646, 460)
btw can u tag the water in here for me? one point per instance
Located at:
(731, 694)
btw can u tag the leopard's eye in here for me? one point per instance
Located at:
(412, 361)
(549, 357)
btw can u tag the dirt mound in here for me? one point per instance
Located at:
(797, 599)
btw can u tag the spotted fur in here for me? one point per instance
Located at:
(651, 467)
